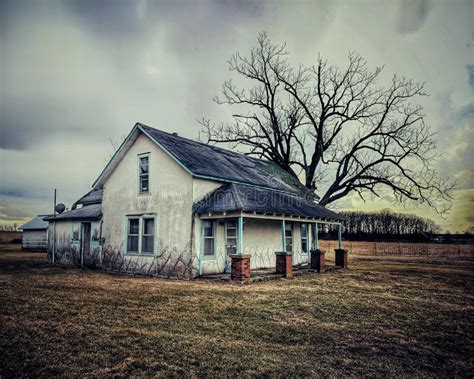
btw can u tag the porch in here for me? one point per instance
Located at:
(244, 228)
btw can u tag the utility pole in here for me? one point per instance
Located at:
(54, 226)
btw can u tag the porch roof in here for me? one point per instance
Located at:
(91, 212)
(243, 198)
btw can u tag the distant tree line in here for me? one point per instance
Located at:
(8, 228)
(388, 225)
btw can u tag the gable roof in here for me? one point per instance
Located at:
(36, 223)
(209, 162)
(242, 198)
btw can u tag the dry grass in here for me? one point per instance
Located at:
(398, 316)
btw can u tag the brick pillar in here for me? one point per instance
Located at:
(341, 258)
(318, 260)
(284, 264)
(240, 271)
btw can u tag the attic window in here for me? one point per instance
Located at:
(143, 177)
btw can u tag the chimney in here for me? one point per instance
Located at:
(175, 134)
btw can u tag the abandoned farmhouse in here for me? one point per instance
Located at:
(168, 206)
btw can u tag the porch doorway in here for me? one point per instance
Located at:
(86, 244)
(230, 242)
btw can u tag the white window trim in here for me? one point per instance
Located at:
(140, 234)
(306, 238)
(139, 156)
(214, 237)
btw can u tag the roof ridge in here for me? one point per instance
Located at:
(205, 144)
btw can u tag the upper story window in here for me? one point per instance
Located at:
(143, 174)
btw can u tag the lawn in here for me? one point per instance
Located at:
(384, 316)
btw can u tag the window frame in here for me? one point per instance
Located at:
(305, 238)
(140, 234)
(213, 237)
(226, 236)
(289, 227)
(139, 175)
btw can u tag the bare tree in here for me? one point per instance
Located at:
(333, 126)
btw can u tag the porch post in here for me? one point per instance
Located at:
(339, 235)
(341, 254)
(318, 257)
(240, 234)
(283, 239)
(201, 248)
(315, 237)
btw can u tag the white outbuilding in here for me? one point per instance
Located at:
(35, 234)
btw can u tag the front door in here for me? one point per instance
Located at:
(86, 244)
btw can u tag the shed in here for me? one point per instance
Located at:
(35, 234)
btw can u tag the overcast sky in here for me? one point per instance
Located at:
(76, 74)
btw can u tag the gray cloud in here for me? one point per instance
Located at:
(76, 73)
(412, 15)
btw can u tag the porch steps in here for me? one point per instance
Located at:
(267, 275)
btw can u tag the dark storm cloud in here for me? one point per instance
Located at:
(412, 15)
(75, 74)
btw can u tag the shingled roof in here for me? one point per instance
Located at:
(36, 223)
(91, 212)
(213, 162)
(92, 197)
(209, 162)
(243, 198)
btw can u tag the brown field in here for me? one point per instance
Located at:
(385, 316)
(7, 237)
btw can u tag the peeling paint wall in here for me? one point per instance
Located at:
(170, 200)
(67, 244)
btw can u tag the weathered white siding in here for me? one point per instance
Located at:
(67, 239)
(34, 240)
(170, 200)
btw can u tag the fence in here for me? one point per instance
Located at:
(399, 248)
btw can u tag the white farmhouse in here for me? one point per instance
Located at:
(169, 206)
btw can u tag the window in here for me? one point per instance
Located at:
(141, 235)
(143, 177)
(304, 238)
(208, 237)
(133, 235)
(148, 235)
(231, 236)
(289, 236)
